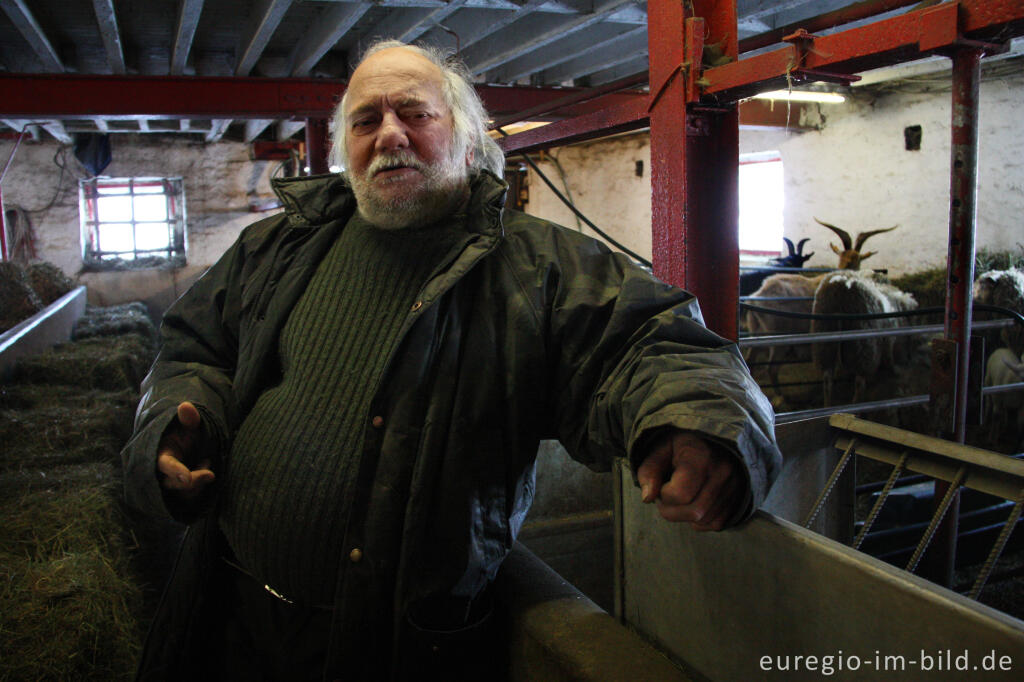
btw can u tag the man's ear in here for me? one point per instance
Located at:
(470, 155)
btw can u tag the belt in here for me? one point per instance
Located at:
(274, 593)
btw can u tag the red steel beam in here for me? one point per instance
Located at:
(959, 276)
(614, 119)
(845, 15)
(890, 41)
(67, 96)
(633, 116)
(316, 145)
(709, 221)
(666, 20)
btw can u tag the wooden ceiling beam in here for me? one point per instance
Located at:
(184, 34)
(20, 15)
(106, 18)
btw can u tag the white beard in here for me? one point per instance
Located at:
(444, 187)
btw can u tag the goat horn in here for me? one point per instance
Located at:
(843, 234)
(789, 245)
(863, 236)
(800, 246)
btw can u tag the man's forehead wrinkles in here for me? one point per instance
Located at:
(369, 102)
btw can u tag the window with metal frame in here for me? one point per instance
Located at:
(136, 222)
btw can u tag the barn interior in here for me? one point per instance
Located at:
(693, 136)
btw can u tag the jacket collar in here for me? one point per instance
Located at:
(314, 200)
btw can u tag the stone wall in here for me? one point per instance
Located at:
(221, 183)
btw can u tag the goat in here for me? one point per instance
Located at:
(799, 286)
(850, 256)
(1004, 288)
(849, 292)
(750, 281)
(1004, 412)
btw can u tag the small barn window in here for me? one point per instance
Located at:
(133, 222)
(762, 197)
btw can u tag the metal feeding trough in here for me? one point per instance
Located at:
(786, 596)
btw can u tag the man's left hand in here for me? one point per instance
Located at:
(692, 481)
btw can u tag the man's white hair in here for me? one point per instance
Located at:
(469, 118)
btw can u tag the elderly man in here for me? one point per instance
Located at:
(346, 407)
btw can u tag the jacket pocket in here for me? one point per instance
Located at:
(434, 649)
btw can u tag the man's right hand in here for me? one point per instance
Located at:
(181, 443)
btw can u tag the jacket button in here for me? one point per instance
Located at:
(377, 421)
(416, 306)
(355, 555)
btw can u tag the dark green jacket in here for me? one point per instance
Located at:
(531, 332)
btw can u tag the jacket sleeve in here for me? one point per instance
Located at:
(634, 357)
(196, 362)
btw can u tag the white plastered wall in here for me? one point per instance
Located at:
(220, 183)
(854, 173)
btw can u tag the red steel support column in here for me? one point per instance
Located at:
(694, 192)
(960, 275)
(316, 145)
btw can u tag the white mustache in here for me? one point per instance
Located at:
(395, 159)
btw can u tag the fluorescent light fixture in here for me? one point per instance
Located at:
(802, 96)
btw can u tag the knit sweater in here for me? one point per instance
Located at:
(289, 476)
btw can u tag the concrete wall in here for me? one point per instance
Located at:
(854, 173)
(220, 183)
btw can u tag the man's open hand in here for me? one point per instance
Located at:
(691, 481)
(181, 444)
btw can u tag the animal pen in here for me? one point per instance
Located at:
(787, 582)
(775, 586)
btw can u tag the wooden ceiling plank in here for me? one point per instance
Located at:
(20, 15)
(265, 18)
(624, 48)
(583, 47)
(285, 129)
(218, 127)
(486, 56)
(255, 126)
(188, 21)
(328, 31)
(106, 18)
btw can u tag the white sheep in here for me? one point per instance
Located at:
(1004, 288)
(1004, 412)
(798, 286)
(852, 292)
(783, 285)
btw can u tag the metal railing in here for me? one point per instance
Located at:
(959, 465)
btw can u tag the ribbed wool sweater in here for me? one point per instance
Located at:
(288, 492)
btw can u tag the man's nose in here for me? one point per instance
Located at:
(392, 134)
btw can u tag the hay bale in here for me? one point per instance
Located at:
(48, 281)
(23, 396)
(65, 432)
(63, 477)
(18, 301)
(128, 318)
(928, 286)
(69, 618)
(70, 608)
(109, 363)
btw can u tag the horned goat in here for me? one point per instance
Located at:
(847, 292)
(750, 281)
(851, 256)
(787, 285)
